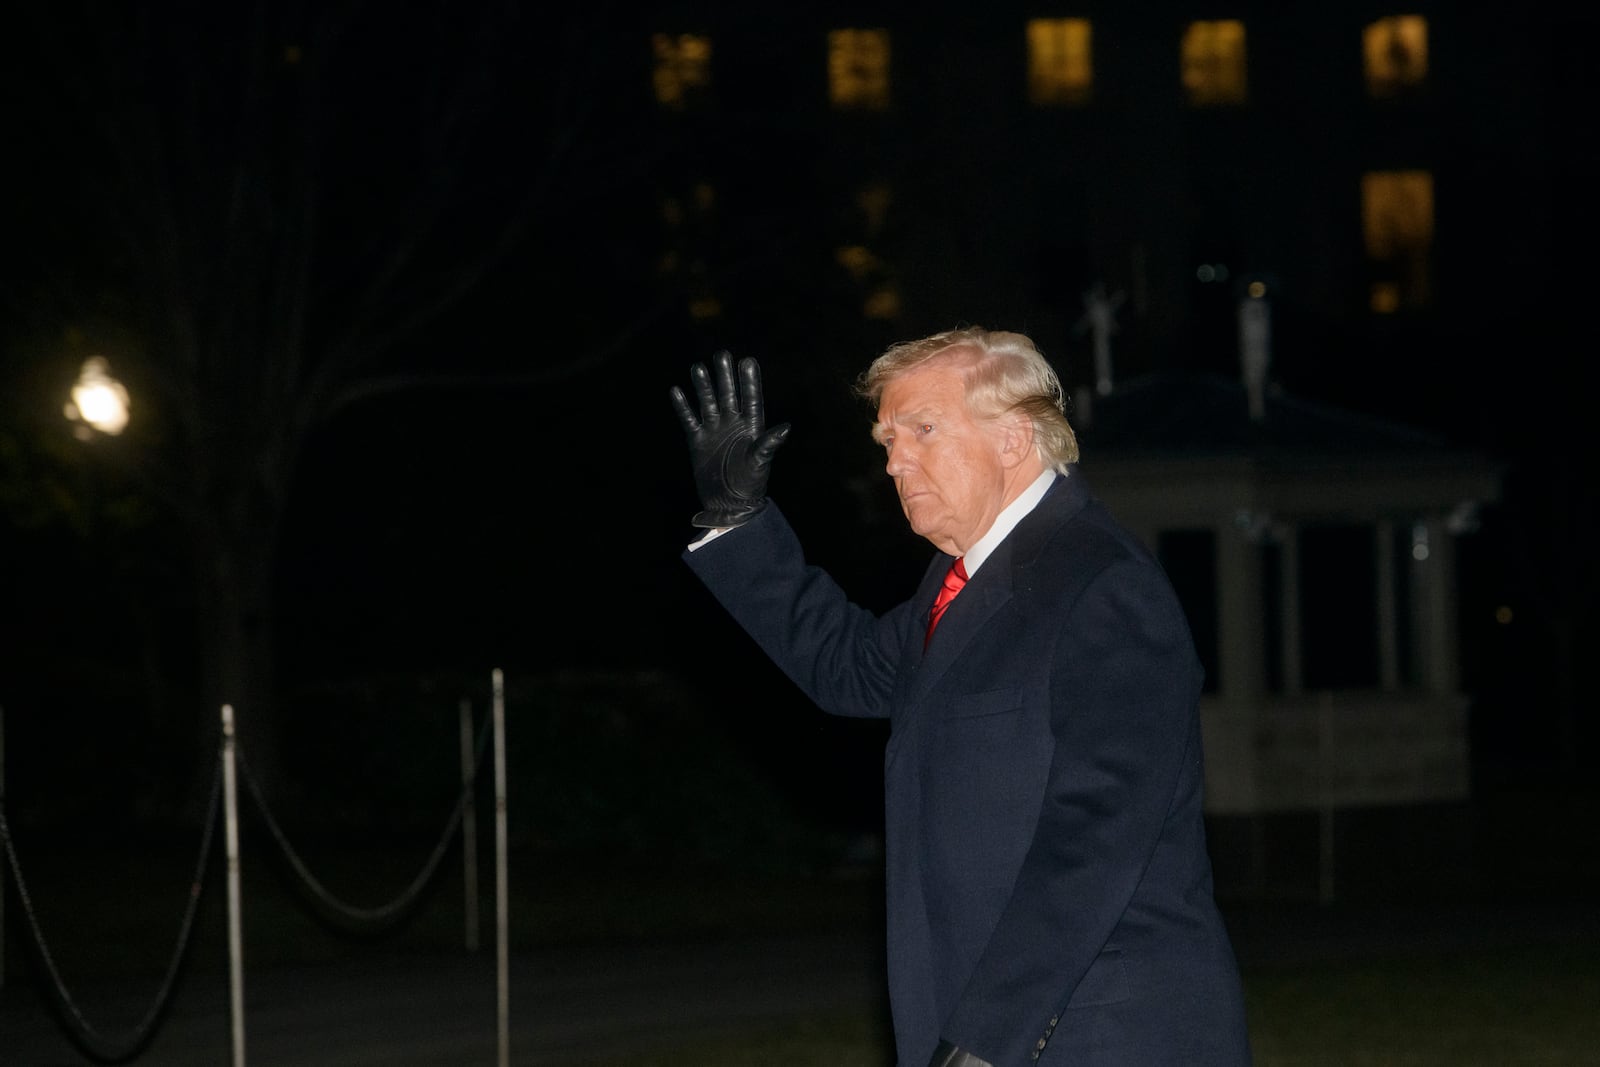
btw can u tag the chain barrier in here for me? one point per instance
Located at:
(383, 915)
(117, 1048)
(124, 1047)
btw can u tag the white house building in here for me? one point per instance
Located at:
(1314, 549)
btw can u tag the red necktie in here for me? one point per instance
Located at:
(953, 582)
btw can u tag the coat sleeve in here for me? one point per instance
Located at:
(840, 654)
(1124, 684)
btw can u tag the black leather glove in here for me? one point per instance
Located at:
(948, 1055)
(729, 444)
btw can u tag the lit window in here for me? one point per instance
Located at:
(1396, 54)
(1384, 297)
(1397, 227)
(858, 69)
(883, 303)
(1213, 63)
(683, 68)
(858, 261)
(1060, 71)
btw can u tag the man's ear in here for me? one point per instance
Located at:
(1016, 438)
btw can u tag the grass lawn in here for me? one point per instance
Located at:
(1532, 1007)
(1525, 1006)
(1513, 1003)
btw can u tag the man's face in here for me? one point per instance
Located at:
(945, 464)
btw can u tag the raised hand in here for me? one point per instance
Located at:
(729, 444)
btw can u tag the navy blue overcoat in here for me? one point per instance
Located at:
(1049, 889)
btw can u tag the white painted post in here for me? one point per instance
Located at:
(1255, 347)
(502, 905)
(469, 828)
(1100, 320)
(1325, 824)
(230, 801)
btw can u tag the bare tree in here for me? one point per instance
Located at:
(283, 199)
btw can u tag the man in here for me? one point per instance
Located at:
(1049, 891)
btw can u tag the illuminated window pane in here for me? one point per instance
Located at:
(858, 69)
(1384, 297)
(1396, 212)
(1060, 71)
(1213, 63)
(883, 304)
(683, 68)
(1397, 229)
(1396, 54)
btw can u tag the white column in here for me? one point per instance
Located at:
(1434, 584)
(230, 807)
(1229, 724)
(1388, 609)
(1289, 560)
(502, 895)
(469, 824)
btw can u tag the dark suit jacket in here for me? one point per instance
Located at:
(1049, 890)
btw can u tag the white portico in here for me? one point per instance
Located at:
(1314, 549)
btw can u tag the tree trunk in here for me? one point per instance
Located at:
(234, 611)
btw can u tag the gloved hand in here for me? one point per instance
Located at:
(948, 1055)
(729, 444)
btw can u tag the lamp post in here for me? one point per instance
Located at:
(99, 401)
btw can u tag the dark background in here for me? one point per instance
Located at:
(514, 492)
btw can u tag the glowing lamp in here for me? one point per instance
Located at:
(99, 401)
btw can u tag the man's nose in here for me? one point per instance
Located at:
(898, 461)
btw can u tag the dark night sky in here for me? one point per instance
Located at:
(538, 527)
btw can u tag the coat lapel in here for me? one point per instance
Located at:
(991, 587)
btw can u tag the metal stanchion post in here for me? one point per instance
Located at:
(469, 827)
(1325, 801)
(502, 909)
(230, 801)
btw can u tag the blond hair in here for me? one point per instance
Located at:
(1005, 373)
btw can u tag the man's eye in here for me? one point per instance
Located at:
(925, 428)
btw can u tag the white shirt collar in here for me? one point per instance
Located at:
(1006, 521)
